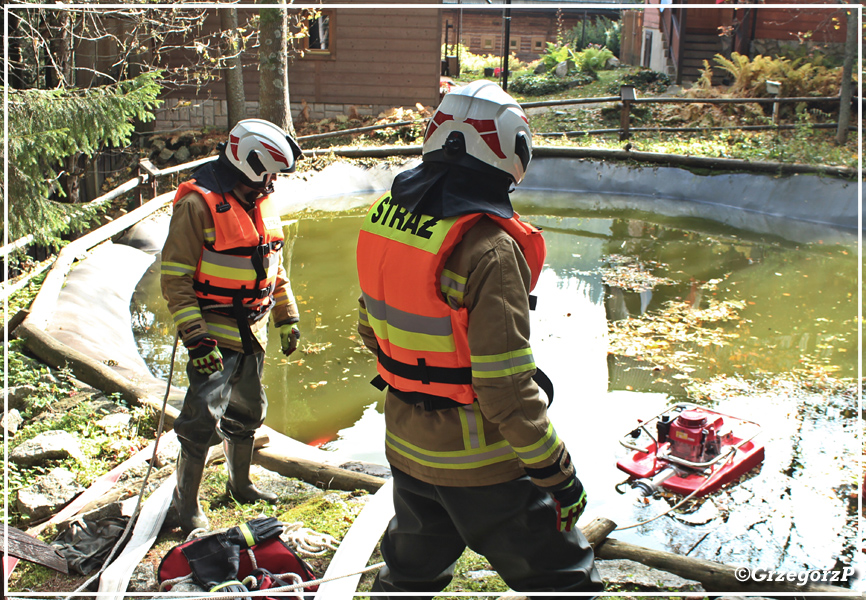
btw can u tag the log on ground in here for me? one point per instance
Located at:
(711, 575)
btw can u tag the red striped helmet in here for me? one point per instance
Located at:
(480, 127)
(258, 148)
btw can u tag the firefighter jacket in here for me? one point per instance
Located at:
(219, 253)
(482, 283)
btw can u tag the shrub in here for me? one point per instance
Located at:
(474, 64)
(557, 54)
(798, 77)
(594, 59)
(599, 32)
(644, 80)
(542, 85)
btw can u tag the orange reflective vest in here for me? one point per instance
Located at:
(414, 305)
(236, 273)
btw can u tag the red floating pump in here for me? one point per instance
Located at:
(693, 449)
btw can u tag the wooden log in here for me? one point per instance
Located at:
(315, 473)
(597, 530)
(59, 356)
(711, 575)
(32, 550)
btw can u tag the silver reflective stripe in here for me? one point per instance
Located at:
(237, 262)
(452, 460)
(499, 365)
(405, 321)
(472, 439)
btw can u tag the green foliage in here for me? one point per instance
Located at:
(473, 65)
(46, 127)
(543, 85)
(599, 32)
(557, 54)
(594, 59)
(644, 80)
(798, 77)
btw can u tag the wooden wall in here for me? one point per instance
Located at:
(527, 25)
(378, 56)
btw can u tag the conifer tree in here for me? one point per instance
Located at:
(45, 127)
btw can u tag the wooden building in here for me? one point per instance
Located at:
(480, 27)
(677, 39)
(371, 59)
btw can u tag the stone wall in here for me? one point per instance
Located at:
(177, 114)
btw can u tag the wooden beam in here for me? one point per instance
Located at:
(32, 550)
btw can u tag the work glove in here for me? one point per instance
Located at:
(206, 358)
(570, 503)
(289, 336)
(214, 562)
(253, 532)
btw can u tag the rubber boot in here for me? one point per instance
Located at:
(185, 498)
(239, 456)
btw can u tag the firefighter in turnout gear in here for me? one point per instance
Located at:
(445, 269)
(222, 276)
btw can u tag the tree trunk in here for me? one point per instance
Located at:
(847, 70)
(59, 68)
(274, 68)
(232, 68)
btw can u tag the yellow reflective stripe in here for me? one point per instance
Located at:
(362, 316)
(179, 269)
(411, 340)
(502, 365)
(210, 235)
(223, 272)
(453, 286)
(396, 223)
(190, 313)
(248, 535)
(540, 450)
(281, 296)
(458, 460)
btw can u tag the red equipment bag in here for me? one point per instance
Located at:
(273, 559)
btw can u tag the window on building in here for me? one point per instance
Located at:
(488, 42)
(514, 44)
(320, 34)
(539, 45)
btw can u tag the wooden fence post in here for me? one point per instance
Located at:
(627, 96)
(152, 176)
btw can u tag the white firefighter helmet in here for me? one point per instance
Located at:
(258, 148)
(480, 127)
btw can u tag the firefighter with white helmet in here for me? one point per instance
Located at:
(446, 267)
(222, 276)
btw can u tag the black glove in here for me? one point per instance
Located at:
(214, 563)
(253, 532)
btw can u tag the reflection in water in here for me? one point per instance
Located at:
(796, 324)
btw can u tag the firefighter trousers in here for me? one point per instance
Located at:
(512, 524)
(227, 404)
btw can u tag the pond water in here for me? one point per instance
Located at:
(749, 325)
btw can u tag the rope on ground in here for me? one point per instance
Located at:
(134, 517)
(286, 588)
(306, 541)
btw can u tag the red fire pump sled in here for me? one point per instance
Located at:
(691, 448)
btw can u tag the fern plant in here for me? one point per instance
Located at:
(46, 126)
